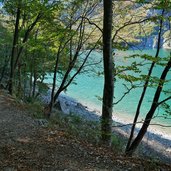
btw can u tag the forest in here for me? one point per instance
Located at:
(126, 44)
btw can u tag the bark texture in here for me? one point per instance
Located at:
(108, 74)
(14, 51)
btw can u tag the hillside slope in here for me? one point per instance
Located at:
(28, 146)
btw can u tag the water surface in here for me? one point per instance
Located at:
(89, 86)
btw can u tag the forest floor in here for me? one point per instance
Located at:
(26, 145)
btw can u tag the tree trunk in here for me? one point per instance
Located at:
(25, 39)
(151, 112)
(13, 53)
(19, 86)
(145, 85)
(31, 78)
(71, 64)
(108, 90)
(5, 66)
(54, 85)
(34, 82)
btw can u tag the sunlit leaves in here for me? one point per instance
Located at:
(128, 16)
(166, 107)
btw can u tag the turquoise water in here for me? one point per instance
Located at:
(89, 86)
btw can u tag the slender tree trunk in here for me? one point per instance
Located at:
(72, 63)
(6, 62)
(151, 112)
(34, 68)
(64, 84)
(25, 79)
(145, 85)
(108, 91)
(34, 82)
(54, 95)
(25, 39)
(19, 86)
(50, 106)
(31, 78)
(53, 87)
(13, 53)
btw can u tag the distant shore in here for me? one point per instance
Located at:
(157, 141)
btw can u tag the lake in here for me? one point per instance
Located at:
(88, 86)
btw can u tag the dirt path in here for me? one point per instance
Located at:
(27, 146)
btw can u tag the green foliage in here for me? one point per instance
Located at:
(120, 46)
(60, 25)
(43, 88)
(5, 43)
(117, 143)
(128, 26)
(129, 78)
(167, 92)
(62, 32)
(35, 107)
(167, 109)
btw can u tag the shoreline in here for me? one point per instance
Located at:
(156, 142)
(123, 119)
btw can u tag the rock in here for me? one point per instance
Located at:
(42, 122)
(23, 140)
(65, 107)
(97, 158)
(168, 150)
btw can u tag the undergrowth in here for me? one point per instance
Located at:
(74, 124)
(35, 107)
(77, 126)
(84, 129)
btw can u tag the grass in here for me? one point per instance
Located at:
(85, 130)
(35, 107)
(77, 126)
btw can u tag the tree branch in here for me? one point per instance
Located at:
(127, 92)
(92, 23)
(26, 35)
(159, 103)
(130, 23)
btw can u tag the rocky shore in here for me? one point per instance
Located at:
(155, 144)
